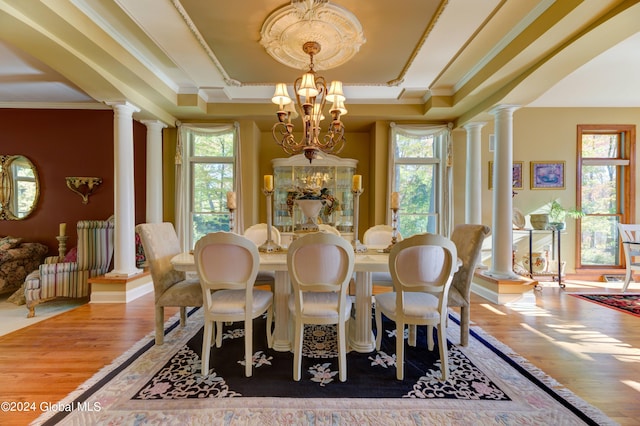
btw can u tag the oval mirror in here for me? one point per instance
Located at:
(19, 187)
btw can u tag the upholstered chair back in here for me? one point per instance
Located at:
(422, 263)
(320, 262)
(160, 243)
(226, 261)
(323, 227)
(95, 245)
(468, 239)
(379, 236)
(258, 234)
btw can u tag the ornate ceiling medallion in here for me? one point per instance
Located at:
(336, 29)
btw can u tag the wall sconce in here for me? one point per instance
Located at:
(83, 186)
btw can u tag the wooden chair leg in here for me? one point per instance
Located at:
(464, 325)
(183, 316)
(400, 351)
(444, 354)
(342, 352)
(159, 325)
(412, 335)
(378, 329)
(627, 280)
(270, 327)
(206, 346)
(297, 351)
(430, 342)
(248, 347)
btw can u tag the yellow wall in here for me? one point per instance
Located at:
(539, 134)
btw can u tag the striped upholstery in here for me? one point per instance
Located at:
(54, 279)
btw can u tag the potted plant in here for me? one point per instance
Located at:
(558, 214)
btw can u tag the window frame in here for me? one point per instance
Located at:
(625, 162)
(193, 160)
(440, 135)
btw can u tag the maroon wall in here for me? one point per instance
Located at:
(64, 143)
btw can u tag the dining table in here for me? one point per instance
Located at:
(361, 337)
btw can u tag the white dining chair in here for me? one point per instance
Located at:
(227, 265)
(258, 234)
(630, 236)
(320, 266)
(323, 227)
(379, 237)
(422, 269)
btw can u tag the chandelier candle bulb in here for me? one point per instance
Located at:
(268, 182)
(281, 96)
(395, 200)
(357, 183)
(335, 92)
(231, 200)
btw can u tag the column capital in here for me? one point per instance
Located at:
(154, 123)
(474, 125)
(503, 108)
(123, 106)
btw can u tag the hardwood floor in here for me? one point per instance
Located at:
(594, 351)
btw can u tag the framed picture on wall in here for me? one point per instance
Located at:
(516, 174)
(547, 174)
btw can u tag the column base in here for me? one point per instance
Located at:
(105, 289)
(123, 274)
(501, 290)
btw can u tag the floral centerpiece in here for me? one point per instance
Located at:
(326, 206)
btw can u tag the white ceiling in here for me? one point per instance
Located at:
(422, 59)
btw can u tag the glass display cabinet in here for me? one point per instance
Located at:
(328, 179)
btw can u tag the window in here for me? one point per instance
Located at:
(605, 192)
(211, 170)
(418, 175)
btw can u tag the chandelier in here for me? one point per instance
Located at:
(311, 96)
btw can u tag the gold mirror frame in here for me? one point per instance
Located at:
(19, 187)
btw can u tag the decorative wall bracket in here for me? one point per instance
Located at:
(83, 186)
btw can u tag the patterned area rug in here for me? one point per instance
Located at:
(488, 384)
(624, 302)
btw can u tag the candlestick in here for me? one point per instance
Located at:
(232, 222)
(269, 246)
(231, 200)
(357, 246)
(356, 184)
(268, 183)
(394, 232)
(63, 229)
(395, 200)
(62, 246)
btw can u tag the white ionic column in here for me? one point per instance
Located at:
(502, 225)
(124, 254)
(154, 170)
(473, 179)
